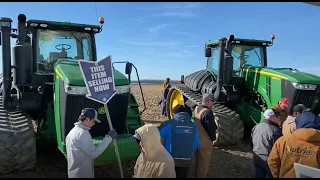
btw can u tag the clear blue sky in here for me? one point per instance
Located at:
(167, 39)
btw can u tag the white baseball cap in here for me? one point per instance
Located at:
(270, 112)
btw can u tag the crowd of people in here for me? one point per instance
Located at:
(278, 142)
(282, 140)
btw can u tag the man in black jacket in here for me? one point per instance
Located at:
(204, 119)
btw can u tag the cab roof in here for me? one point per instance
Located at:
(56, 25)
(240, 41)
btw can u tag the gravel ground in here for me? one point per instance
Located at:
(227, 162)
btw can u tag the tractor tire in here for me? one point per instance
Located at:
(230, 127)
(17, 142)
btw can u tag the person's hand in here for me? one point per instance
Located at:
(214, 143)
(113, 134)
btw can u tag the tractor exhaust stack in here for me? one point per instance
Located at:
(5, 28)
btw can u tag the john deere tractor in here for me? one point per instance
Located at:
(243, 85)
(43, 92)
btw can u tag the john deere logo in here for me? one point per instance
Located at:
(316, 101)
(101, 110)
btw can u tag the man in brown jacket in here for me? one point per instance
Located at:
(282, 107)
(154, 160)
(204, 120)
(302, 146)
(289, 125)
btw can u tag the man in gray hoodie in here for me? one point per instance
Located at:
(81, 151)
(264, 135)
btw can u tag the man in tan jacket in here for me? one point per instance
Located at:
(154, 160)
(289, 124)
(204, 120)
(282, 107)
(302, 146)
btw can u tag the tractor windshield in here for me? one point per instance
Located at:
(57, 44)
(242, 54)
(249, 55)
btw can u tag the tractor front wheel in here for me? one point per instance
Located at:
(174, 98)
(17, 142)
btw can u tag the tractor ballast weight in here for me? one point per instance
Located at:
(243, 86)
(42, 93)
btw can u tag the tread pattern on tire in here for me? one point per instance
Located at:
(230, 126)
(17, 142)
(195, 80)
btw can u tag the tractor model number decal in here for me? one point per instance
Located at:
(101, 110)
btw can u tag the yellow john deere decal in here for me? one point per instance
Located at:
(316, 101)
(266, 73)
(58, 73)
(101, 110)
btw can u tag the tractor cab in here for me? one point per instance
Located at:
(243, 51)
(52, 41)
(226, 59)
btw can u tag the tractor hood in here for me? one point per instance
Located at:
(69, 71)
(287, 74)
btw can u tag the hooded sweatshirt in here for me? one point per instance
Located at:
(181, 138)
(302, 146)
(181, 121)
(81, 151)
(154, 161)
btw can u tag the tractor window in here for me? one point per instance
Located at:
(251, 55)
(213, 61)
(54, 45)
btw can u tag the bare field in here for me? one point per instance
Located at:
(235, 161)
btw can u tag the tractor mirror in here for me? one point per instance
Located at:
(208, 52)
(128, 68)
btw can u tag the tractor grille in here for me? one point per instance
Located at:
(308, 98)
(117, 106)
(305, 97)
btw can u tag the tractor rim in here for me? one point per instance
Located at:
(176, 98)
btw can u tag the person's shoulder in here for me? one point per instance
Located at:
(261, 127)
(207, 112)
(166, 123)
(284, 138)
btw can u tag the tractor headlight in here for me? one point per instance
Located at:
(304, 86)
(123, 89)
(76, 90)
(82, 90)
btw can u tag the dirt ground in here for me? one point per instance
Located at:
(228, 162)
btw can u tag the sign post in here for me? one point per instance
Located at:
(99, 80)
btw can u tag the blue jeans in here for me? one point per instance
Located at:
(262, 171)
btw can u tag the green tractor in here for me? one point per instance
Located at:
(43, 92)
(243, 85)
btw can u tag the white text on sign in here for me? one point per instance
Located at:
(100, 81)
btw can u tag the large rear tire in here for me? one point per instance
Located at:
(230, 127)
(17, 142)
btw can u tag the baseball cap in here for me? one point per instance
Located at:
(208, 97)
(285, 102)
(90, 113)
(271, 112)
(300, 108)
(178, 108)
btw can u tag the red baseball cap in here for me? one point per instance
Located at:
(285, 102)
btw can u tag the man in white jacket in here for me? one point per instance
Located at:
(81, 151)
